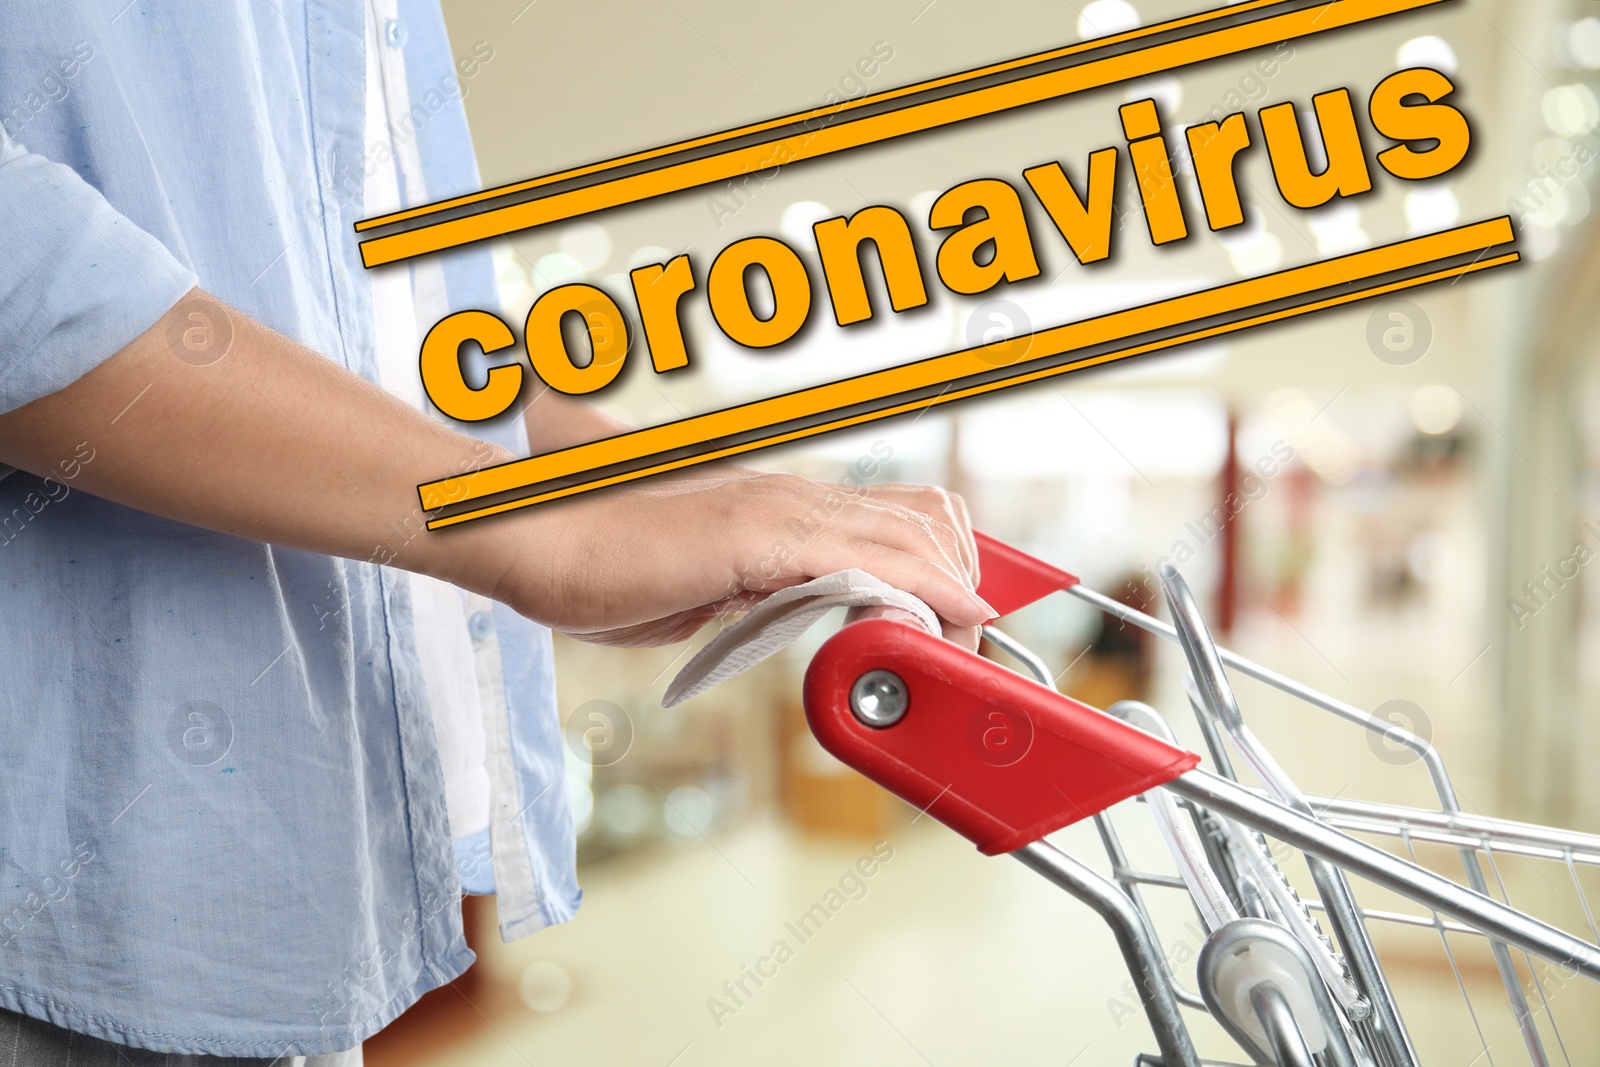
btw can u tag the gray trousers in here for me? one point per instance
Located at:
(26, 1042)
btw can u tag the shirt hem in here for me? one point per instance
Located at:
(316, 1042)
(549, 913)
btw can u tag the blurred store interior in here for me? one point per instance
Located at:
(1414, 476)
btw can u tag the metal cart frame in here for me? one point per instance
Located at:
(1004, 759)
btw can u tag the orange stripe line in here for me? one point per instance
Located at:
(944, 398)
(951, 367)
(877, 128)
(818, 112)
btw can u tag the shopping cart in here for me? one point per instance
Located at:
(1004, 759)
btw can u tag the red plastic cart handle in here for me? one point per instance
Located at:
(997, 757)
(1012, 579)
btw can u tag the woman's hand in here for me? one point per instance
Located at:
(947, 508)
(555, 421)
(652, 563)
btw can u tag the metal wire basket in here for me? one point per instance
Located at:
(1003, 758)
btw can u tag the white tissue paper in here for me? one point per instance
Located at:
(781, 618)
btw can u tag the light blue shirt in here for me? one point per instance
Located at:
(222, 819)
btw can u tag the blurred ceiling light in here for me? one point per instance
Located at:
(1262, 256)
(688, 811)
(1337, 228)
(1583, 39)
(643, 257)
(666, 411)
(586, 242)
(1316, 438)
(1251, 246)
(1577, 203)
(1335, 465)
(799, 217)
(1435, 409)
(625, 811)
(1570, 110)
(618, 411)
(1246, 233)
(1428, 51)
(1105, 17)
(1556, 195)
(908, 441)
(1290, 407)
(544, 986)
(1431, 207)
(510, 278)
(1539, 242)
(1102, 433)
(1564, 165)
(1550, 207)
(1561, 154)
(557, 268)
(515, 296)
(1164, 89)
(1256, 436)
(507, 267)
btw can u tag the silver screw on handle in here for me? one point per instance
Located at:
(879, 699)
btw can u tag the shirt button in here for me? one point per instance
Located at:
(479, 626)
(394, 32)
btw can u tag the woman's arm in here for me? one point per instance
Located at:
(276, 443)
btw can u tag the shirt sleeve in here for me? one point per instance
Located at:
(78, 281)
